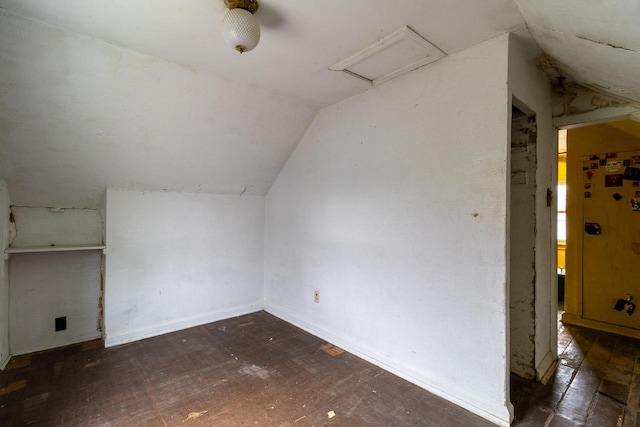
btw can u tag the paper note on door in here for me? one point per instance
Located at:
(613, 165)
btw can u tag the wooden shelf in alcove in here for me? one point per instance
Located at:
(58, 248)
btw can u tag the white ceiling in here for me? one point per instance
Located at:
(145, 95)
(300, 39)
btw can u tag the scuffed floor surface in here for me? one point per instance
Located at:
(597, 383)
(245, 371)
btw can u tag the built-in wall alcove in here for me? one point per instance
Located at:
(55, 272)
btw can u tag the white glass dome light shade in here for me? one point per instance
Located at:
(240, 29)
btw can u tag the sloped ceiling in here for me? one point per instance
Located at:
(595, 42)
(145, 95)
(300, 39)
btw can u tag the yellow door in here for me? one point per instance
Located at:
(611, 238)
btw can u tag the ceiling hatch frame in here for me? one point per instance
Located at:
(402, 41)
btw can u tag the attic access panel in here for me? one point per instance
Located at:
(400, 52)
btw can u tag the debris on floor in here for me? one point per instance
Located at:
(331, 349)
(194, 415)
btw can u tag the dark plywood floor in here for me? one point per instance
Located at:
(597, 383)
(259, 370)
(250, 370)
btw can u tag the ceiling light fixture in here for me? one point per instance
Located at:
(239, 26)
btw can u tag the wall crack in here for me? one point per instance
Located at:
(607, 44)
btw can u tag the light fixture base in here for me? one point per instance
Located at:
(250, 5)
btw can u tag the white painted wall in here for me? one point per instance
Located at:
(394, 207)
(36, 226)
(176, 260)
(528, 84)
(44, 286)
(4, 276)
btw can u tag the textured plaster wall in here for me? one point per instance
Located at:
(522, 234)
(531, 87)
(393, 207)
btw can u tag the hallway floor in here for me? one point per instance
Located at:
(259, 370)
(597, 383)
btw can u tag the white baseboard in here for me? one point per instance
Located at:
(488, 412)
(16, 350)
(3, 363)
(123, 337)
(546, 367)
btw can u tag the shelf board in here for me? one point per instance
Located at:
(58, 248)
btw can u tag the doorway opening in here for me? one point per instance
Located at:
(561, 222)
(603, 237)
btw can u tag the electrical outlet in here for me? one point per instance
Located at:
(316, 296)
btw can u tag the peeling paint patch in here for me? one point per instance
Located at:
(574, 98)
(100, 300)
(13, 226)
(545, 63)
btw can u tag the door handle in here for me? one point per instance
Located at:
(592, 228)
